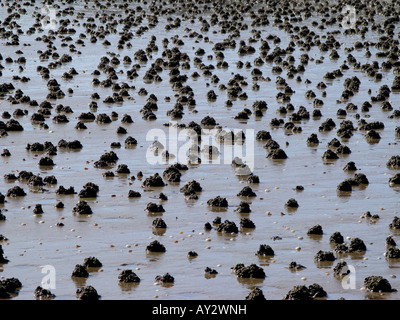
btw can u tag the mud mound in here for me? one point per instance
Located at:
(218, 202)
(228, 227)
(301, 292)
(251, 271)
(265, 250)
(153, 181)
(256, 295)
(155, 246)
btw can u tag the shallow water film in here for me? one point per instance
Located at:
(199, 150)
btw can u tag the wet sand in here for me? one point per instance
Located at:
(120, 229)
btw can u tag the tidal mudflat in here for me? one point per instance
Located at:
(199, 150)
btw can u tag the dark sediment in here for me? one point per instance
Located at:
(153, 181)
(263, 135)
(191, 187)
(159, 223)
(377, 284)
(313, 139)
(247, 223)
(166, 278)
(395, 180)
(357, 245)
(9, 287)
(390, 242)
(192, 254)
(80, 271)
(87, 293)
(88, 192)
(336, 237)
(301, 292)
(324, 256)
(345, 186)
(122, 169)
(82, 207)
(134, 194)
(395, 224)
(46, 162)
(59, 205)
(256, 295)
(218, 202)
(243, 207)
(296, 266)
(173, 62)
(16, 191)
(350, 166)
(62, 190)
(277, 154)
(228, 227)
(38, 209)
(154, 207)
(341, 269)
(50, 180)
(130, 142)
(92, 262)
(210, 271)
(393, 162)
(155, 246)
(315, 230)
(128, 276)
(392, 253)
(292, 203)
(329, 155)
(316, 291)
(172, 174)
(246, 192)
(75, 145)
(265, 250)
(43, 294)
(251, 271)
(253, 179)
(341, 248)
